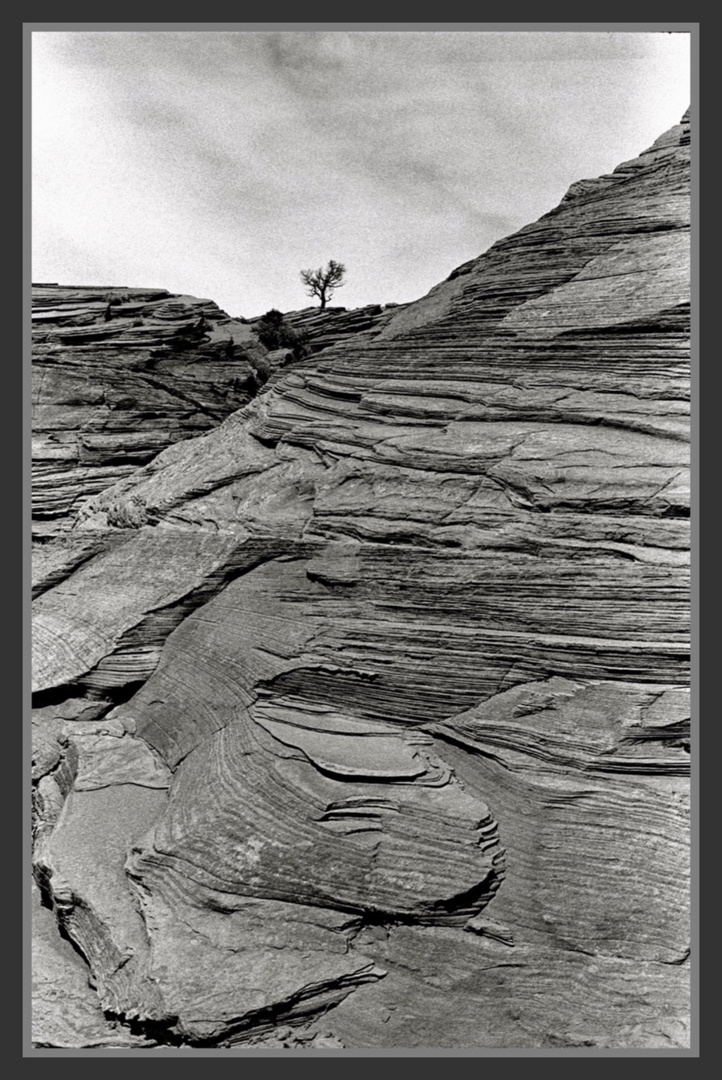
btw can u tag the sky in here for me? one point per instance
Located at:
(222, 163)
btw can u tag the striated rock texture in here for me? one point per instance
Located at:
(333, 325)
(120, 374)
(363, 715)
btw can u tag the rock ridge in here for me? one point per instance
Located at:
(363, 707)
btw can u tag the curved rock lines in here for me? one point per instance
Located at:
(427, 594)
(292, 798)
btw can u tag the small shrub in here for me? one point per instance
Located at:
(275, 333)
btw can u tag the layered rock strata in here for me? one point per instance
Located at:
(120, 374)
(368, 708)
(333, 325)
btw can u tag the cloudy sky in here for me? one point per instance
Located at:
(220, 164)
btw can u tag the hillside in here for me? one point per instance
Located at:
(362, 693)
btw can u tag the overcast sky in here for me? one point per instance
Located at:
(220, 164)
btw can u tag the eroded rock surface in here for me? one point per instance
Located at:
(333, 325)
(120, 374)
(363, 715)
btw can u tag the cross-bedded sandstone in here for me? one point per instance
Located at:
(394, 663)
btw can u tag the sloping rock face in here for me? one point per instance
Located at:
(120, 374)
(332, 325)
(366, 715)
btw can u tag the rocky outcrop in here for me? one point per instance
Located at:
(120, 374)
(371, 702)
(333, 325)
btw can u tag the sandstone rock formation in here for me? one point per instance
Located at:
(333, 325)
(120, 374)
(363, 714)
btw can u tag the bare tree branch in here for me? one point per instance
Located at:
(324, 281)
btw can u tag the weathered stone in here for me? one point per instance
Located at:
(119, 374)
(406, 636)
(66, 1010)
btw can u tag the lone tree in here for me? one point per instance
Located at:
(322, 283)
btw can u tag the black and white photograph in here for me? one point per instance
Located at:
(361, 605)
